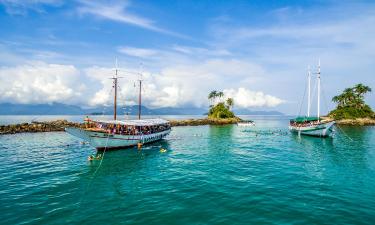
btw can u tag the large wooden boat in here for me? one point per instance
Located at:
(309, 125)
(116, 134)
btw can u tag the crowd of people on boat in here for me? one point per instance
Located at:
(126, 129)
(304, 124)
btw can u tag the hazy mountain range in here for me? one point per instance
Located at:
(64, 109)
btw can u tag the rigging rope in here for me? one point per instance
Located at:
(301, 103)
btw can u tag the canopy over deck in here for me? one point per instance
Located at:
(302, 119)
(140, 123)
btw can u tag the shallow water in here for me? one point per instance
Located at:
(209, 175)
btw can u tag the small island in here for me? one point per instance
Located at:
(351, 107)
(219, 112)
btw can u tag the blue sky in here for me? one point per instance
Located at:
(255, 51)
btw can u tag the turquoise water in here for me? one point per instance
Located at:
(209, 175)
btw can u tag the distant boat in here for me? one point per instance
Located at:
(247, 123)
(116, 134)
(309, 125)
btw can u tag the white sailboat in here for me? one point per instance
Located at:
(309, 125)
(117, 134)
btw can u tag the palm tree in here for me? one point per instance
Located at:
(339, 100)
(220, 94)
(361, 90)
(212, 96)
(348, 96)
(230, 103)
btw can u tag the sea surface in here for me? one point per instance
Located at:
(208, 175)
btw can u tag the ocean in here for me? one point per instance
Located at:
(208, 175)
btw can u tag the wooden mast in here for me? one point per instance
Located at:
(115, 97)
(140, 99)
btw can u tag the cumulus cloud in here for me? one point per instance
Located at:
(187, 84)
(244, 98)
(184, 84)
(39, 82)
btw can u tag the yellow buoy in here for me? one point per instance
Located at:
(139, 145)
(163, 150)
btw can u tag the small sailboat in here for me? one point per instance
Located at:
(246, 123)
(312, 125)
(117, 134)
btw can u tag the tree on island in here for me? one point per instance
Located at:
(351, 103)
(220, 109)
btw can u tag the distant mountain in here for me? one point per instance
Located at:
(39, 109)
(64, 109)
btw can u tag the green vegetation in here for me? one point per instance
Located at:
(220, 109)
(351, 104)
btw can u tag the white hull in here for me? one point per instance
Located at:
(102, 140)
(320, 130)
(245, 124)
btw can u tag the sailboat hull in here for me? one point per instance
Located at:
(100, 140)
(320, 130)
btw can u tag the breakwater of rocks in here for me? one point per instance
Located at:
(33, 127)
(59, 125)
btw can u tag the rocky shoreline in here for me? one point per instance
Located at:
(34, 127)
(60, 125)
(352, 122)
(357, 122)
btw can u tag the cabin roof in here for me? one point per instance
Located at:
(302, 119)
(143, 122)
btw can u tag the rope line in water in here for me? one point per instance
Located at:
(92, 177)
(345, 133)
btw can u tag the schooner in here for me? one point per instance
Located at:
(117, 134)
(312, 125)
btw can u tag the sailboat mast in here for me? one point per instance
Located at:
(115, 97)
(319, 90)
(309, 91)
(140, 99)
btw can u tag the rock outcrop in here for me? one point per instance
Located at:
(57, 125)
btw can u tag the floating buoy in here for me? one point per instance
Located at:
(139, 145)
(163, 150)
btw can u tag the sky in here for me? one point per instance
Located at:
(255, 51)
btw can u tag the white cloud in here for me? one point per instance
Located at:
(118, 12)
(20, 7)
(245, 98)
(138, 52)
(182, 84)
(175, 85)
(38, 82)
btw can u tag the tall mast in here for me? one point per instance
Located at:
(115, 97)
(319, 90)
(309, 91)
(140, 99)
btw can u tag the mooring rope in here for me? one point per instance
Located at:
(345, 133)
(93, 176)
